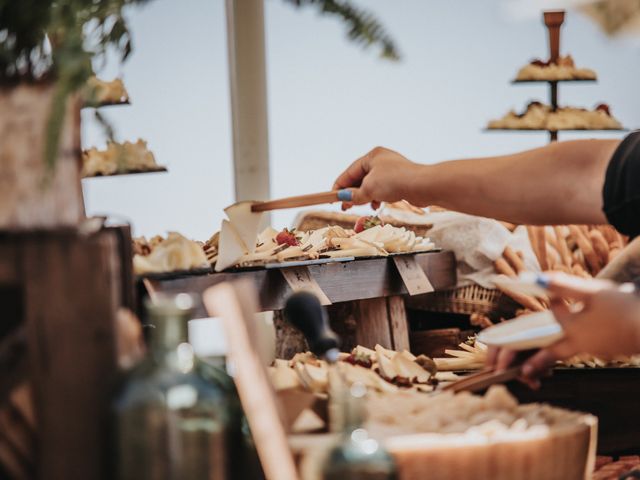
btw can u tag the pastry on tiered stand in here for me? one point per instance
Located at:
(118, 157)
(538, 116)
(562, 70)
(101, 92)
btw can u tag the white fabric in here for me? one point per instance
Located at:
(477, 242)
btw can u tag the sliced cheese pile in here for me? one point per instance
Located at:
(99, 92)
(382, 370)
(241, 244)
(118, 157)
(174, 253)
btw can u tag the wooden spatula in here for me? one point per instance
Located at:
(303, 200)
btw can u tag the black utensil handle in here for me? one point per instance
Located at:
(304, 311)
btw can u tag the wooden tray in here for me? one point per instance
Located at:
(341, 281)
(131, 172)
(555, 131)
(574, 80)
(612, 394)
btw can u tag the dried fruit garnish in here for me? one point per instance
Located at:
(359, 358)
(366, 222)
(287, 237)
(603, 107)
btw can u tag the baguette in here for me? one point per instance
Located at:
(609, 233)
(542, 247)
(524, 300)
(600, 245)
(533, 239)
(514, 260)
(579, 271)
(591, 258)
(503, 267)
(480, 320)
(563, 248)
(551, 238)
(553, 257)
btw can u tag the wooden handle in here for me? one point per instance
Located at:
(235, 304)
(303, 200)
(482, 380)
(553, 20)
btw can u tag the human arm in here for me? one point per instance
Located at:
(604, 322)
(557, 184)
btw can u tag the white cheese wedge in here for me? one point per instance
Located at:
(230, 247)
(307, 421)
(387, 369)
(410, 369)
(245, 222)
(370, 234)
(380, 350)
(283, 377)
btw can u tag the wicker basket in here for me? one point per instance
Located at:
(313, 220)
(466, 300)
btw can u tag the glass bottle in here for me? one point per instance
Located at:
(357, 456)
(172, 420)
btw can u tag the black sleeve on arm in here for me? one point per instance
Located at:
(621, 191)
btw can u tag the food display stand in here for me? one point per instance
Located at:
(366, 292)
(66, 279)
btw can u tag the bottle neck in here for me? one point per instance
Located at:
(353, 412)
(169, 341)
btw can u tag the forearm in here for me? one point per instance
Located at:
(557, 184)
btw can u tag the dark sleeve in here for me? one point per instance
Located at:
(621, 191)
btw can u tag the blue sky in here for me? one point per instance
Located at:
(330, 101)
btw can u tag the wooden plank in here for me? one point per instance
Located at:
(71, 299)
(235, 304)
(372, 323)
(341, 282)
(398, 323)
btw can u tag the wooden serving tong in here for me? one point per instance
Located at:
(482, 380)
(343, 195)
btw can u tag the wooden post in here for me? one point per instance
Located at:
(553, 21)
(247, 79)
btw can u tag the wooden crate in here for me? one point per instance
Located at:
(70, 288)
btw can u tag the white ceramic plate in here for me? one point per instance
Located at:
(536, 330)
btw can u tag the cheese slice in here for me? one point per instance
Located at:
(410, 369)
(230, 247)
(387, 369)
(307, 421)
(245, 222)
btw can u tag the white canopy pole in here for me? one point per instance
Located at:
(248, 83)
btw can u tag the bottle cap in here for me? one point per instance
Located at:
(207, 337)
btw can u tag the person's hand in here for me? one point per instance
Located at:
(381, 175)
(604, 321)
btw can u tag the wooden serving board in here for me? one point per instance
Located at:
(341, 281)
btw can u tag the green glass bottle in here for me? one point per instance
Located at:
(357, 456)
(173, 420)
